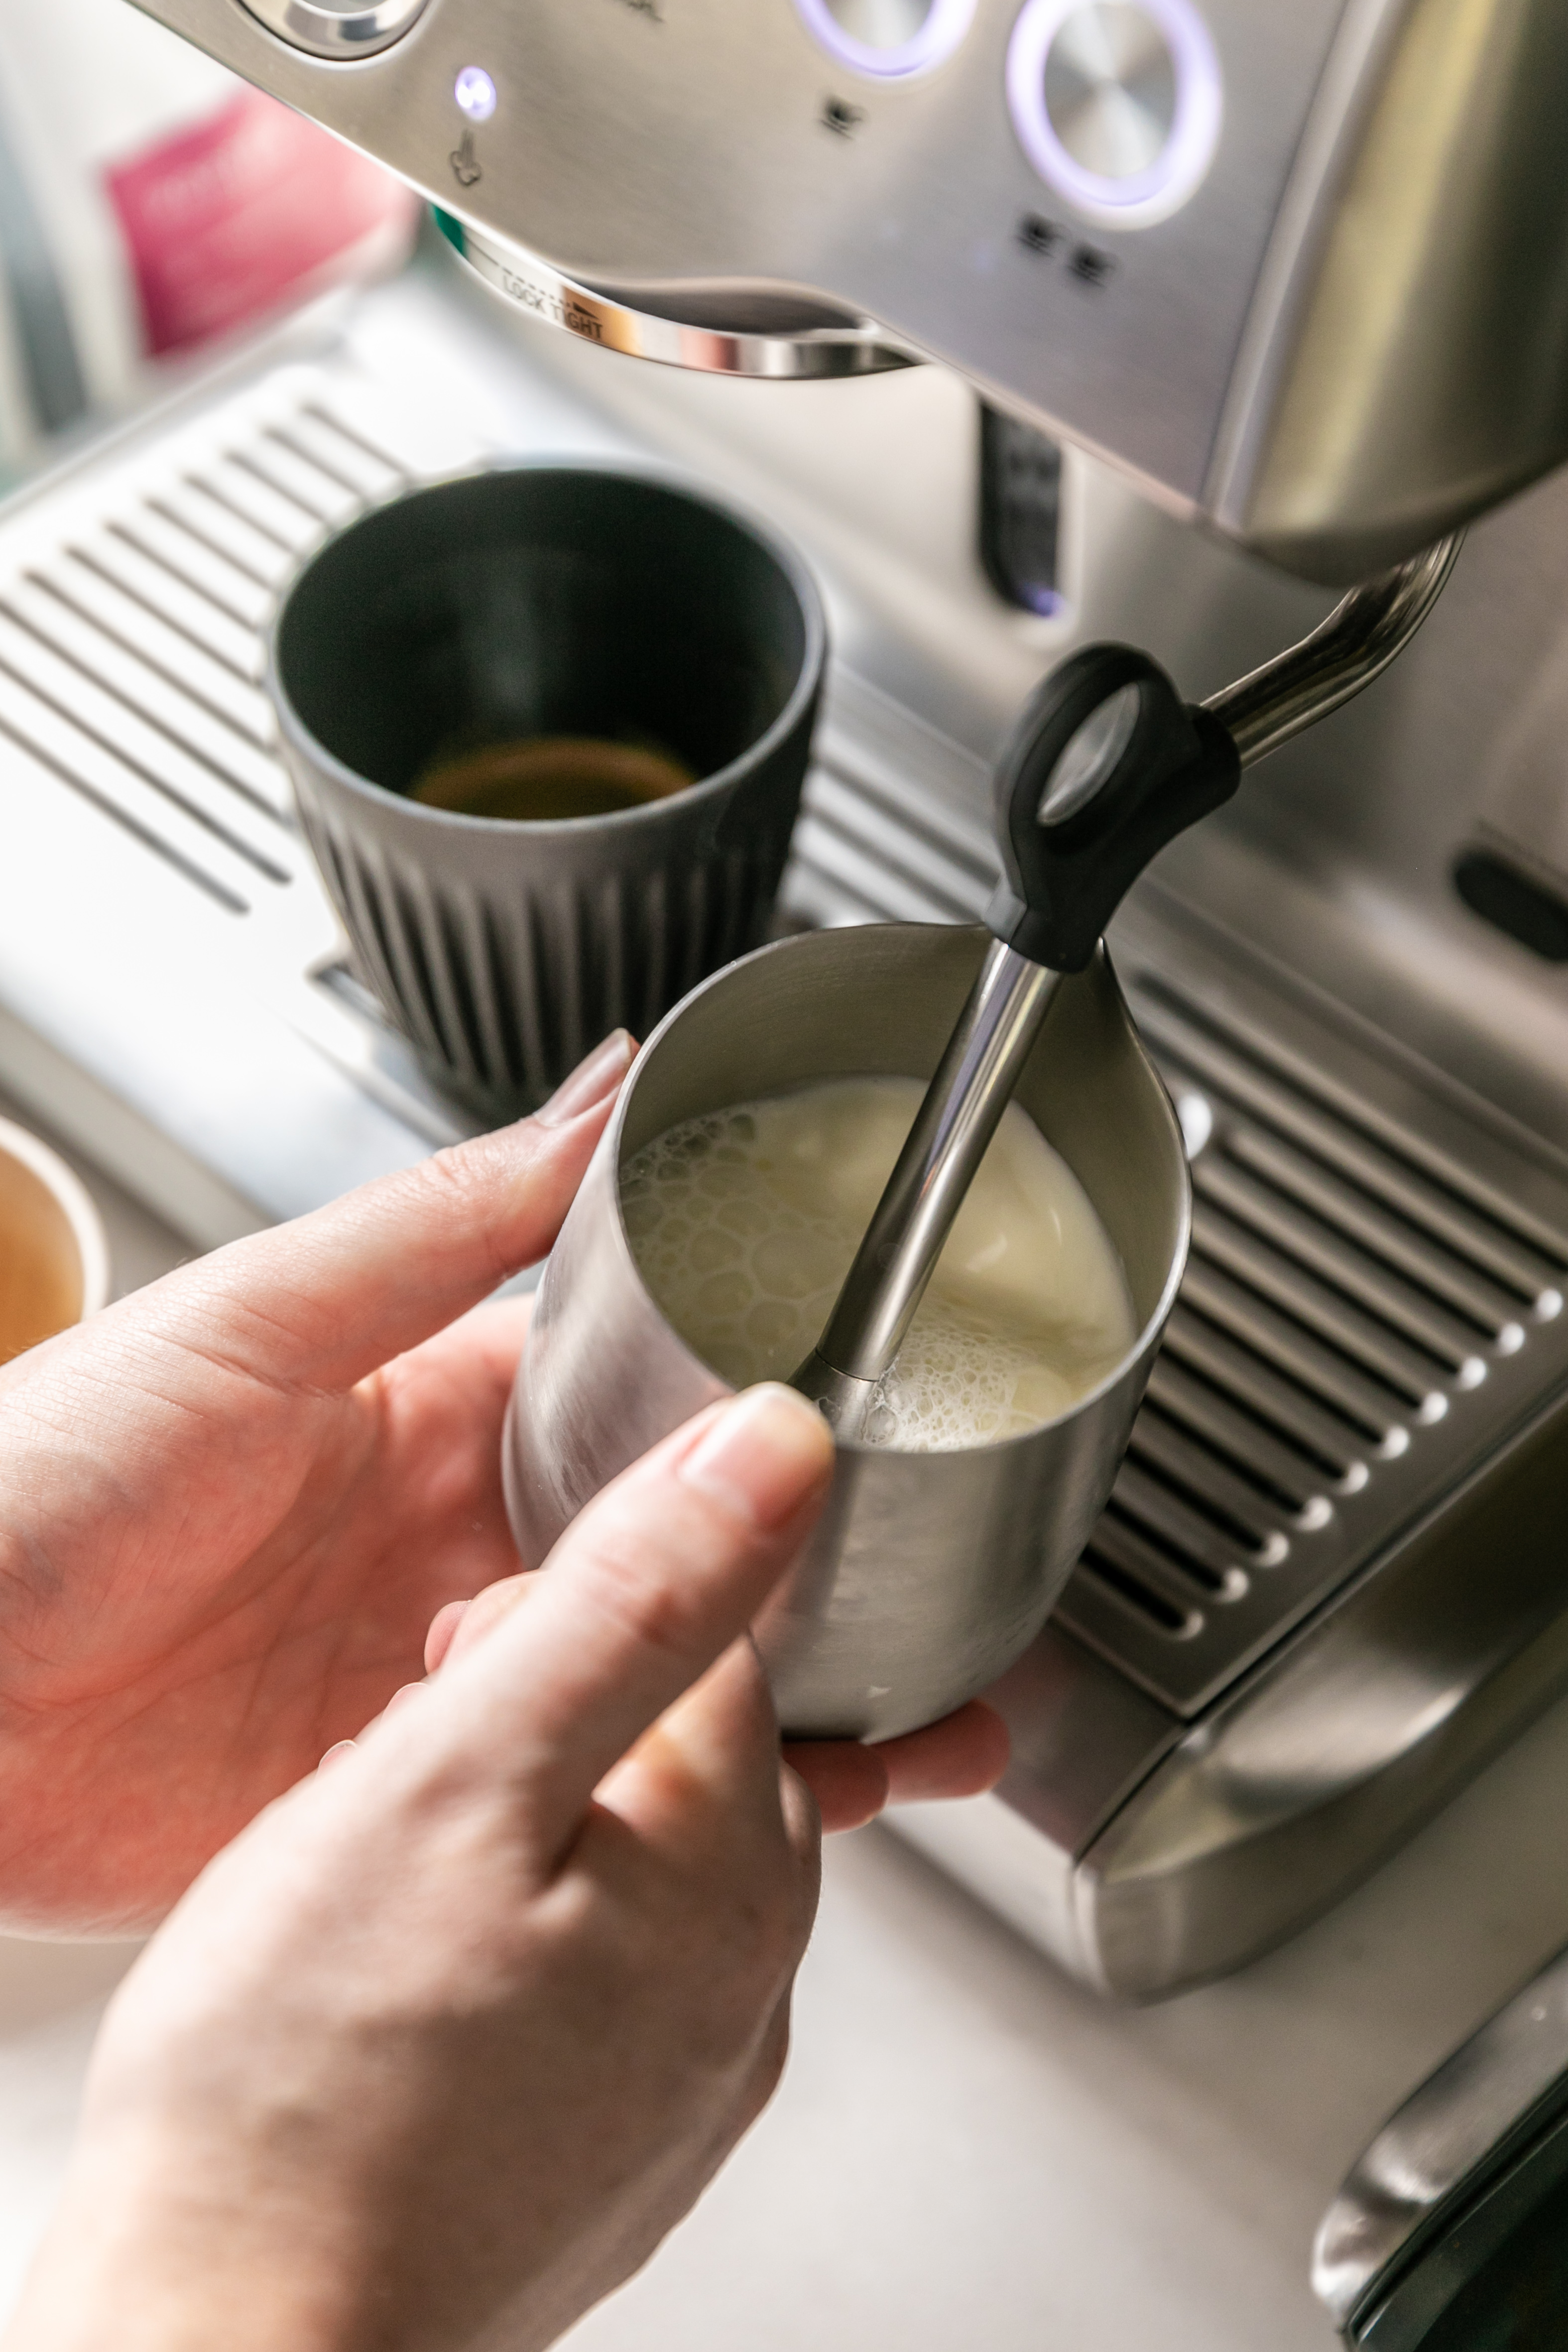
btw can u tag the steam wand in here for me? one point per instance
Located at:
(1106, 766)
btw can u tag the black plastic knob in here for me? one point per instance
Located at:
(1106, 765)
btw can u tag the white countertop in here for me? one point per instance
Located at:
(970, 2149)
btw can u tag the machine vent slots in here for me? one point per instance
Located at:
(130, 654)
(1371, 1303)
(1353, 1305)
(865, 853)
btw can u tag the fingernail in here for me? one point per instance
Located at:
(763, 1455)
(335, 1755)
(595, 1077)
(443, 1631)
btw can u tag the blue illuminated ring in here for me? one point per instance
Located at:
(475, 93)
(1147, 197)
(933, 44)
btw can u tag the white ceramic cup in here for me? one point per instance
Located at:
(54, 1251)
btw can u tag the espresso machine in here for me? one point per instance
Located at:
(1291, 290)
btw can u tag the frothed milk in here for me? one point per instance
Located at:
(744, 1223)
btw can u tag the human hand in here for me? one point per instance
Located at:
(235, 1502)
(436, 2052)
(963, 1755)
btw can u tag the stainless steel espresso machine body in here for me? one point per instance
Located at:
(1301, 271)
(1299, 276)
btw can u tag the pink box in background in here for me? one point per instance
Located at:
(235, 215)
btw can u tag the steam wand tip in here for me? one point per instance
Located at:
(844, 1402)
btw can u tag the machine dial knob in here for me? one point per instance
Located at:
(888, 38)
(1117, 103)
(1110, 90)
(357, 28)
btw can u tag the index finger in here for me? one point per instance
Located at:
(322, 1301)
(661, 1572)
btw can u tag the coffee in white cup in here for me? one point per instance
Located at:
(54, 1253)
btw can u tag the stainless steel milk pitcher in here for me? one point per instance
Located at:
(928, 1573)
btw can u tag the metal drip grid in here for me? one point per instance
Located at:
(130, 654)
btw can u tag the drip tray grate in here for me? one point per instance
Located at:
(131, 649)
(1364, 1317)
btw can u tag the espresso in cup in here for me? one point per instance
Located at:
(545, 779)
(547, 727)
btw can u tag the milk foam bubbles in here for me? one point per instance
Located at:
(744, 1223)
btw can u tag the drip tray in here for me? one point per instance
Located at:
(1365, 1318)
(1328, 1581)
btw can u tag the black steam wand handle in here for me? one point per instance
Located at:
(1106, 766)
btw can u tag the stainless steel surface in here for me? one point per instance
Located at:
(136, 581)
(1415, 380)
(781, 339)
(1119, 109)
(1296, 270)
(1341, 1742)
(970, 1088)
(1339, 873)
(1288, 1565)
(1341, 657)
(359, 29)
(1438, 2137)
(845, 1401)
(162, 919)
(929, 1573)
(1437, 1200)
(1375, 1300)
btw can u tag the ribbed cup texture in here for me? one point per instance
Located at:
(504, 980)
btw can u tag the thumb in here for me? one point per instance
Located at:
(322, 1301)
(651, 1583)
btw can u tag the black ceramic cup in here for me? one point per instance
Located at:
(626, 669)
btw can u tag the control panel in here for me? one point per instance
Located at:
(1074, 202)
